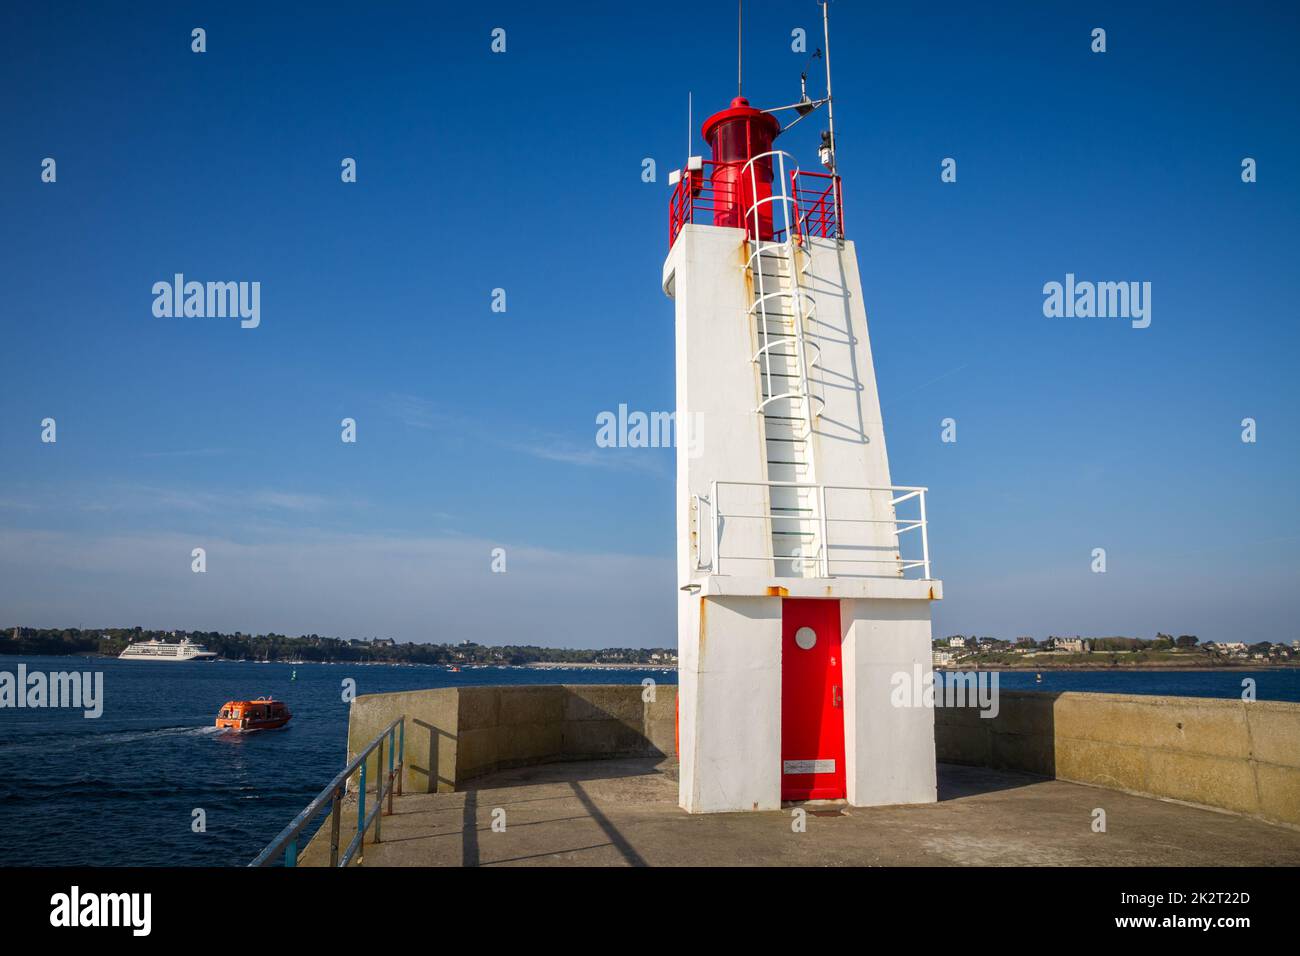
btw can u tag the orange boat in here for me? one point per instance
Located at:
(261, 714)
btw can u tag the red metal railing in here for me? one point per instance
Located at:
(818, 204)
(702, 196)
(697, 199)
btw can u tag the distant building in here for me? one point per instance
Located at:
(1073, 645)
(957, 641)
(383, 642)
(942, 657)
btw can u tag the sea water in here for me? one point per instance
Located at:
(122, 789)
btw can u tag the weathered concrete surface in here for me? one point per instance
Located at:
(455, 734)
(1229, 754)
(889, 750)
(623, 812)
(1226, 754)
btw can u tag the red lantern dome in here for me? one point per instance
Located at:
(736, 135)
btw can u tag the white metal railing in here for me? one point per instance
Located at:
(876, 520)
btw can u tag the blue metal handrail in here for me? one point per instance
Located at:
(287, 841)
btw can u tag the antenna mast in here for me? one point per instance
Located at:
(830, 101)
(740, 32)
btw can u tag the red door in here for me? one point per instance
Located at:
(812, 701)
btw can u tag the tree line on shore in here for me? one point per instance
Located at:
(1161, 643)
(312, 647)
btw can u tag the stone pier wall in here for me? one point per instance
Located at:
(1228, 754)
(456, 734)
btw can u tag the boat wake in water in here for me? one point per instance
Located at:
(64, 743)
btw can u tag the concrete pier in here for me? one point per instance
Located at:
(1225, 754)
(623, 812)
(588, 774)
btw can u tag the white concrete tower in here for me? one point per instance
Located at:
(804, 573)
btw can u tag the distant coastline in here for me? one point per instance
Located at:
(556, 665)
(1165, 654)
(314, 649)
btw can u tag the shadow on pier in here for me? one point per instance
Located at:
(624, 812)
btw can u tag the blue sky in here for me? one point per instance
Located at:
(522, 171)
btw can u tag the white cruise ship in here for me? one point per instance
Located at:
(162, 651)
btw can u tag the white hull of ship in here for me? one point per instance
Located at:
(126, 655)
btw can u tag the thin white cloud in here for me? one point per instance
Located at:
(186, 453)
(409, 588)
(289, 501)
(619, 459)
(546, 446)
(133, 498)
(415, 411)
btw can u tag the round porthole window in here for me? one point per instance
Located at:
(805, 637)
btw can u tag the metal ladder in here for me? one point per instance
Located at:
(786, 357)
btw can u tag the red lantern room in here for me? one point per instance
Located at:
(736, 135)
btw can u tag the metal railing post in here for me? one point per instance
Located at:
(826, 545)
(392, 735)
(925, 538)
(336, 815)
(839, 209)
(291, 853)
(361, 804)
(401, 752)
(714, 508)
(379, 793)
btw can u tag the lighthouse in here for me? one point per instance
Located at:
(804, 572)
